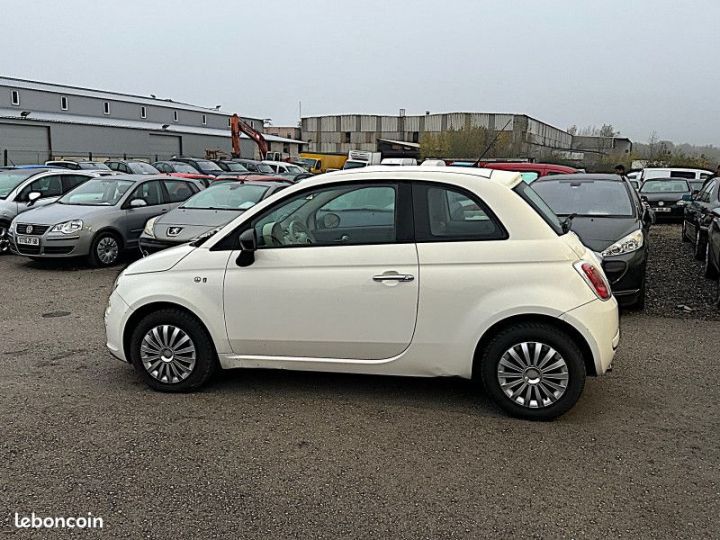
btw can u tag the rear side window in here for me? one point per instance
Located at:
(450, 214)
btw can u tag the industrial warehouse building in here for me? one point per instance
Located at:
(41, 121)
(401, 135)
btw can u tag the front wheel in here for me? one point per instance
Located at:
(172, 351)
(533, 371)
(104, 250)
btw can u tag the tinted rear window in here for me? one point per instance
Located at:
(586, 197)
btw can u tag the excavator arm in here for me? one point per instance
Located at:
(238, 126)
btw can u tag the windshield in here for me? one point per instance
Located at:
(208, 165)
(295, 169)
(665, 186)
(227, 196)
(586, 197)
(138, 167)
(104, 191)
(179, 166)
(9, 180)
(94, 165)
(235, 167)
(537, 203)
(264, 168)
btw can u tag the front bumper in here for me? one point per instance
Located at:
(626, 273)
(599, 323)
(53, 246)
(116, 315)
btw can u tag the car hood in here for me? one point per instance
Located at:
(598, 233)
(667, 197)
(160, 261)
(57, 213)
(189, 223)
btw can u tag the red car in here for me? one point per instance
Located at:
(530, 171)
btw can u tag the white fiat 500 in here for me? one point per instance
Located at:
(417, 271)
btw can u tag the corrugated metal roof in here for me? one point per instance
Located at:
(103, 94)
(61, 118)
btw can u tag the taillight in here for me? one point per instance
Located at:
(595, 278)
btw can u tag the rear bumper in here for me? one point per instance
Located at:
(599, 323)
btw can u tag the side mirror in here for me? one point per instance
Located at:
(248, 246)
(33, 196)
(687, 197)
(137, 203)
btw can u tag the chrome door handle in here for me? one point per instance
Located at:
(393, 277)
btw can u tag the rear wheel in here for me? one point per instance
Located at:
(172, 351)
(533, 371)
(711, 272)
(105, 250)
(699, 244)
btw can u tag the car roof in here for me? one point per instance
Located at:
(581, 177)
(135, 177)
(684, 169)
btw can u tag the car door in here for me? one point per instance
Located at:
(694, 209)
(706, 204)
(308, 297)
(135, 217)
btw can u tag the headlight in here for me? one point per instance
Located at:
(632, 242)
(148, 230)
(68, 227)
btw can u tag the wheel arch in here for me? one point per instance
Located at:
(112, 230)
(554, 322)
(152, 307)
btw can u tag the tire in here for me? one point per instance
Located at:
(102, 253)
(699, 252)
(711, 272)
(185, 370)
(532, 334)
(4, 240)
(683, 235)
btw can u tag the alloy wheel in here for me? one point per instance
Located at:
(107, 250)
(533, 375)
(4, 240)
(168, 354)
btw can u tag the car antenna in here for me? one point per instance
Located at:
(492, 143)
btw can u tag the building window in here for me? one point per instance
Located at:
(15, 97)
(175, 116)
(106, 107)
(204, 120)
(415, 136)
(143, 112)
(63, 103)
(347, 137)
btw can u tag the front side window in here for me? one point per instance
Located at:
(341, 215)
(450, 214)
(150, 192)
(48, 186)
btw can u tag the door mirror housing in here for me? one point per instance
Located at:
(33, 196)
(687, 197)
(137, 203)
(248, 247)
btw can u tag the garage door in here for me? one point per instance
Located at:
(24, 144)
(165, 146)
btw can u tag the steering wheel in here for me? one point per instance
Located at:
(298, 233)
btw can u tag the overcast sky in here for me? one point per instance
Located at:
(643, 66)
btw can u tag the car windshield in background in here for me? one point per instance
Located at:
(103, 191)
(9, 180)
(92, 165)
(265, 168)
(208, 165)
(354, 164)
(181, 167)
(235, 167)
(227, 196)
(586, 197)
(295, 169)
(665, 186)
(537, 203)
(139, 167)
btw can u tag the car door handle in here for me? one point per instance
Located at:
(393, 277)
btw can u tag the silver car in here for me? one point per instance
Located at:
(23, 189)
(98, 219)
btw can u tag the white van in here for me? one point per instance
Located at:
(695, 177)
(399, 161)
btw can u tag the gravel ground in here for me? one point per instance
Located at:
(675, 278)
(264, 454)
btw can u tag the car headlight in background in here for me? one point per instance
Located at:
(631, 242)
(68, 227)
(149, 226)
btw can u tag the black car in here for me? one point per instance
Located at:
(255, 166)
(203, 166)
(231, 166)
(609, 217)
(698, 215)
(712, 250)
(666, 196)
